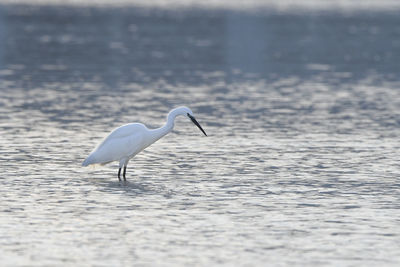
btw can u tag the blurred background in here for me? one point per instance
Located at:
(300, 100)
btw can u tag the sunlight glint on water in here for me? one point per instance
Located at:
(300, 167)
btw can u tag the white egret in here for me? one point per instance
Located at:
(124, 142)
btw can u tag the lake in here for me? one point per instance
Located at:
(300, 166)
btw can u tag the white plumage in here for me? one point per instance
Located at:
(128, 140)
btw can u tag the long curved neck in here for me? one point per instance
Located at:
(168, 126)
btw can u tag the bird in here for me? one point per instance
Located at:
(126, 141)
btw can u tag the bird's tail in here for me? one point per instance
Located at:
(89, 160)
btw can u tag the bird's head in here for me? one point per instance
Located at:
(188, 112)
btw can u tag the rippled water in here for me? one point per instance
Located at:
(300, 167)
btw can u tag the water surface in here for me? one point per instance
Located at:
(300, 167)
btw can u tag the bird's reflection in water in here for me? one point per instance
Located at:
(133, 188)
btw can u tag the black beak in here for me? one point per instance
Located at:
(197, 124)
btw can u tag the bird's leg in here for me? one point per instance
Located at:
(119, 173)
(124, 173)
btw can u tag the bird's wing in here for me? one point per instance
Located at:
(119, 148)
(123, 142)
(123, 131)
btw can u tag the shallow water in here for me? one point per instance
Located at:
(300, 167)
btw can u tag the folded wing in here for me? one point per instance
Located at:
(124, 142)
